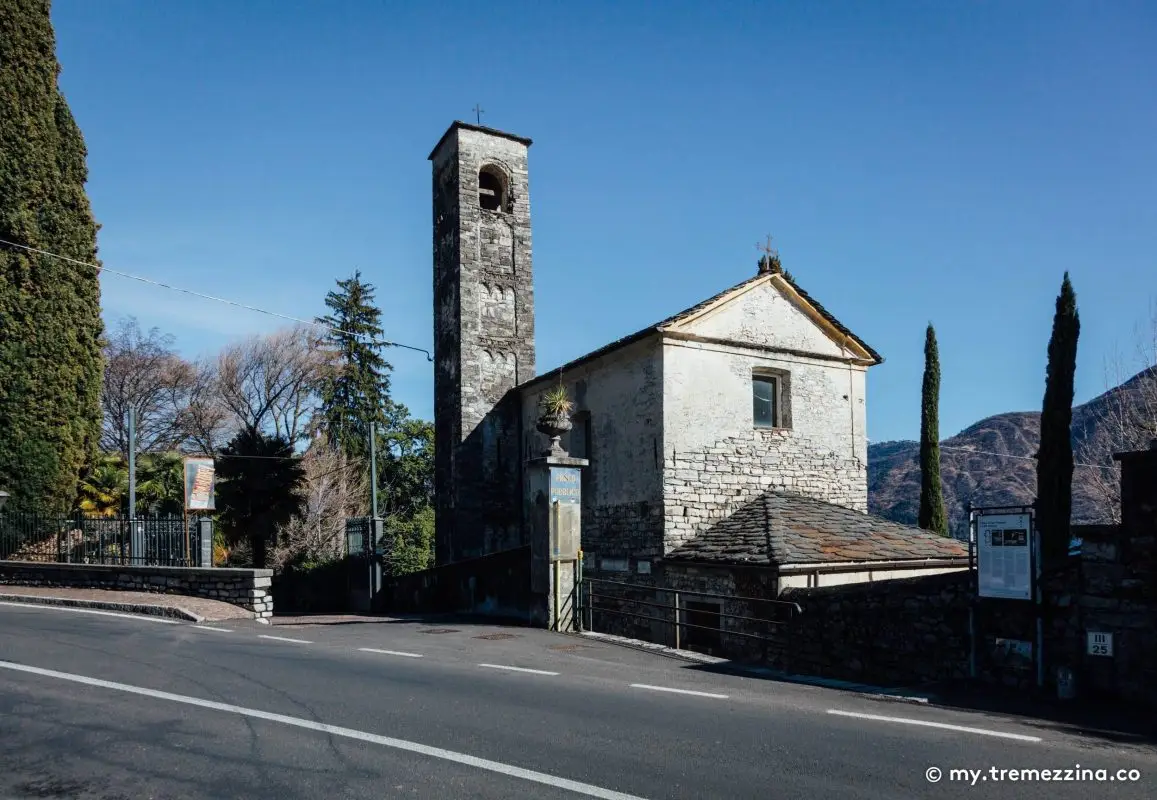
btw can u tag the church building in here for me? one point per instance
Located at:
(731, 434)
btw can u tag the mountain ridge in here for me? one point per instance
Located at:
(992, 461)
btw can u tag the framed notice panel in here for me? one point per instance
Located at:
(1004, 555)
(200, 483)
(565, 485)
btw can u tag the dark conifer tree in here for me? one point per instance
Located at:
(50, 324)
(932, 516)
(356, 392)
(257, 490)
(1054, 469)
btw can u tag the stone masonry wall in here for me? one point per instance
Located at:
(618, 427)
(483, 340)
(247, 588)
(496, 585)
(705, 485)
(893, 633)
(1119, 591)
(715, 459)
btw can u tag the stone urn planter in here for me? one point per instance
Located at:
(555, 419)
(553, 425)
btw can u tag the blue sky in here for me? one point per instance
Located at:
(914, 162)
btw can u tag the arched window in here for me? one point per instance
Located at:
(491, 190)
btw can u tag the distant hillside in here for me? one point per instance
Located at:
(1108, 423)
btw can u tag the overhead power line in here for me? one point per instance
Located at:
(202, 295)
(1020, 458)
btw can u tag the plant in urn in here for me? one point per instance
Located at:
(555, 419)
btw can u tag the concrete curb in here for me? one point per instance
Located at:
(104, 605)
(868, 690)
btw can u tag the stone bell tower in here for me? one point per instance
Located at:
(483, 337)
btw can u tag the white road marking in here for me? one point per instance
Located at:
(333, 730)
(678, 691)
(942, 725)
(211, 628)
(282, 639)
(390, 652)
(142, 617)
(518, 669)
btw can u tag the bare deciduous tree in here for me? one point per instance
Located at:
(335, 487)
(143, 372)
(267, 382)
(206, 422)
(1126, 418)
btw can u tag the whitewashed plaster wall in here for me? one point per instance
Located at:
(621, 396)
(715, 459)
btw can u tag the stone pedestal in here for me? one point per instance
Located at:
(554, 514)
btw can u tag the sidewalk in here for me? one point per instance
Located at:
(192, 609)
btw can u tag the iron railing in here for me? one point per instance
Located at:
(761, 622)
(172, 541)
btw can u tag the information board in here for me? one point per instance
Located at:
(1004, 561)
(200, 484)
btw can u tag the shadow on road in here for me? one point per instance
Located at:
(1091, 718)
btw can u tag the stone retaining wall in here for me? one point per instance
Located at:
(247, 588)
(495, 585)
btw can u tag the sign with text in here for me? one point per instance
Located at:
(1100, 644)
(565, 484)
(1004, 561)
(200, 484)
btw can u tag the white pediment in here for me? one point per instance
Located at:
(767, 313)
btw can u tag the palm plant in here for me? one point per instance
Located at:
(161, 483)
(103, 490)
(556, 402)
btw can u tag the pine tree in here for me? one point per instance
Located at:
(932, 516)
(356, 392)
(50, 325)
(1054, 469)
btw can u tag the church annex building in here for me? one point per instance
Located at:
(728, 438)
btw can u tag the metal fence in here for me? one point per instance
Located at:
(172, 541)
(712, 623)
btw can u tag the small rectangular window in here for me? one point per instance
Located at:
(765, 399)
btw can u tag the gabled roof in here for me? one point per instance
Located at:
(777, 529)
(708, 304)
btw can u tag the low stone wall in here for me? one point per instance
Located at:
(896, 632)
(496, 585)
(247, 588)
(622, 604)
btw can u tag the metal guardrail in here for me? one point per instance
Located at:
(173, 541)
(590, 593)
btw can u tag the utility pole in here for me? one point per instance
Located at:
(374, 470)
(132, 463)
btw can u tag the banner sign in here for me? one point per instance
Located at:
(1004, 561)
(200, 484)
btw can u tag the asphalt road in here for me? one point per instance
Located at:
(104, 706)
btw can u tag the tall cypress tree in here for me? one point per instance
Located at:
(1054, 469)
(50, 325)
(932, 516)
(356, 392)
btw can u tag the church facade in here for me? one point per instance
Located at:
(757, 391)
